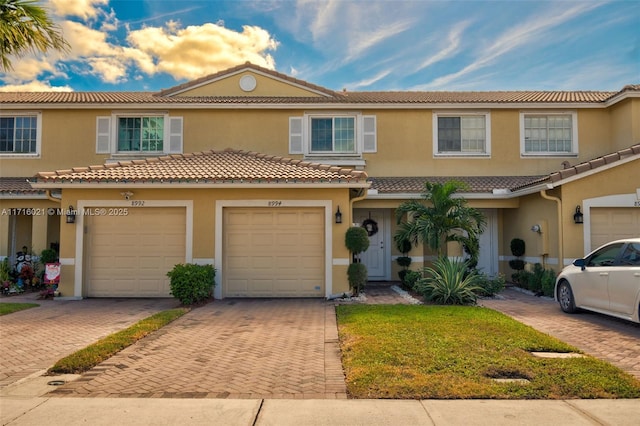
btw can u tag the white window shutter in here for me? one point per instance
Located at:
(295, 135)
(175, 135)
(369, 133)
(103, 135)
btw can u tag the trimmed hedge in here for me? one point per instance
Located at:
(191, 283)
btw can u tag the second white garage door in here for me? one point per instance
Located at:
(130, 255)
(613, 223)
(273, 252)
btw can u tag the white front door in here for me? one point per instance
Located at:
(488, 259)
(374, 258)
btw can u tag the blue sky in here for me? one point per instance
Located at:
(354, 44)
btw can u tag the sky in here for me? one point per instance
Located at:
(357, 45)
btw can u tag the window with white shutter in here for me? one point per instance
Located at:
(295, 135)
(175, 135)
(103, 135)
(370, 143)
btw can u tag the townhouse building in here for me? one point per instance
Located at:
(261, 174)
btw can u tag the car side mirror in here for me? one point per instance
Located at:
(581, 263)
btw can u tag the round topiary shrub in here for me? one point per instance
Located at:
(517, 247)
(356, 239)
(191, 283)
(357, 275)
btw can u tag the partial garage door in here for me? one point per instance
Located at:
(273, 252)
(129, 256)
(613, 223)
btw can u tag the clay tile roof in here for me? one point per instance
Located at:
(17, 186)
(476, 184)
(229, 166)
(404, 98)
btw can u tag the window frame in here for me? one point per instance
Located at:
(357, 137)
(38, 147)
(547, 114)
(115, 122)
(486, 153)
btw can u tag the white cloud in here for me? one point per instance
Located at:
(189, 52)
(196, 51)
(452, 46)
(85, 9)
(34, 86)
(368, 82)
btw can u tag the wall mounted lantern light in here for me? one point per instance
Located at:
(71, 215)
(536, 228)
(338, 216)
(578, 216)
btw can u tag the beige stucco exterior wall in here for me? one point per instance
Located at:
(625, 123)
(204, 221)
(516, 223)
(68, 140)
(405, 139)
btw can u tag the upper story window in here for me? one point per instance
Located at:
(138, 134)
(464, 134)
(20, 134)
(548, 134)
(332, 135)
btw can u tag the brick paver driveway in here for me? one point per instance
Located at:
(232, 348)
(34, 339)
(615, 341)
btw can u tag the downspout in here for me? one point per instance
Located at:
(558, 201)
(362, 196)
(52, 198)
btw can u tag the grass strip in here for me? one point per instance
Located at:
(87, 358)
(456, 352)
(9, 308)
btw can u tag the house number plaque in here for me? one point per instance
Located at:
(275, 203)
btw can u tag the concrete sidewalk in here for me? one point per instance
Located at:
(282, 412)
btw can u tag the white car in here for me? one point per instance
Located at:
(606, 281)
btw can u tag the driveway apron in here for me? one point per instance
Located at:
(232, 348)
(615, 341)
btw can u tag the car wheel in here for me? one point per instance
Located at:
(565, 298)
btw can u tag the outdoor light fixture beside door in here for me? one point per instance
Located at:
(338, 216)
(71, 215)
(578, 216)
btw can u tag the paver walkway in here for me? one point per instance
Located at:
(235, 348)
(615, 341)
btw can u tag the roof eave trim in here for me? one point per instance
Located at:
(173, 185)
(592, 172)
(618, 97)
(23, 196)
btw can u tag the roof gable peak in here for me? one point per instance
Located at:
(247, 80)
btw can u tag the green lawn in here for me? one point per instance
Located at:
(442, 352)
(8, 308)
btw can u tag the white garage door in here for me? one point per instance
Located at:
(273, 252)
(129, 256)
(613, 223)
